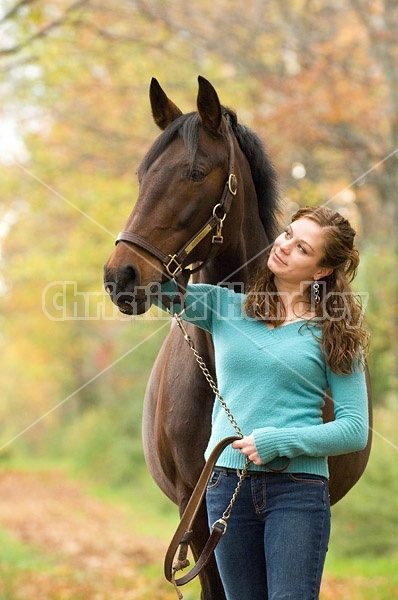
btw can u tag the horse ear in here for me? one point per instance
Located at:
(209, 107)
(164, 110)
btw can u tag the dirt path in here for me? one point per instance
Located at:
(91, 543)
(89, 547)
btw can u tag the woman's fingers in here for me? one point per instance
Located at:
(247, 446)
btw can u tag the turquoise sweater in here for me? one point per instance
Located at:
(274, 383)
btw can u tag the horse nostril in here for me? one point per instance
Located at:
(109, 280)
(120, 280)
(128, 279)
(121, 285)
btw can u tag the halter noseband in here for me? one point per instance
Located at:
(173, 263)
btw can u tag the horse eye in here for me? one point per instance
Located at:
(196, 175)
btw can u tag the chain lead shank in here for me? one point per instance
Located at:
(207, 374)
(227, 513)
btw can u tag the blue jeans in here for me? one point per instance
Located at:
(277, 536)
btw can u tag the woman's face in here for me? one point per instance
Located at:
(297, 253)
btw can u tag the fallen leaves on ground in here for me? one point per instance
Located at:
(92, 544)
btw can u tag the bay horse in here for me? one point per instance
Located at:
(186, 192)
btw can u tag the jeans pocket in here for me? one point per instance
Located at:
(307, 478)
(214, 480)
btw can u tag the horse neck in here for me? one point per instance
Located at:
(244, 249)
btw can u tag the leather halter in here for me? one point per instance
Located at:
(173, 263)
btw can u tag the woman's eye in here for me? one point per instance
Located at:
(302, 249)
(287, 232)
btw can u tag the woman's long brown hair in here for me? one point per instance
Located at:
(344, 341)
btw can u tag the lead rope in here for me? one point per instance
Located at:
(223, 521)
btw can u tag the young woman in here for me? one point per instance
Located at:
(278, 348)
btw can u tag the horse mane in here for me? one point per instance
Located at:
(263, 172)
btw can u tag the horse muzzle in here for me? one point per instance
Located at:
(123, 287)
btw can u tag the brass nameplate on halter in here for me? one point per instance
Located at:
(198, 238)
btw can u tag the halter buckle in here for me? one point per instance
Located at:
(173, 267)
(232, 184)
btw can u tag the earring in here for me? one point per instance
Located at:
(315, 287)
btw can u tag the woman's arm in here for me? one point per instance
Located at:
(347, 433)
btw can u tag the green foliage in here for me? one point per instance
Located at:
(16, 558)
(101, 433)
(364, 523)
(376, 279)
(370, 578)
(105, 442)
(20, 556)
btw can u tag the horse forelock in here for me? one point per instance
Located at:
(186, 127)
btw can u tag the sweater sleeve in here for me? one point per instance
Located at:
(347, 433)
(198, 305)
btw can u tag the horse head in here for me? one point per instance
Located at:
(188, 186)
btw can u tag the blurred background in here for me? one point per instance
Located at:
(318, 82)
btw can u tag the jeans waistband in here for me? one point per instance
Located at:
(238, 472)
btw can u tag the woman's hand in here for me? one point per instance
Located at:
(247, 446)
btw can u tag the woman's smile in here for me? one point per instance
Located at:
(278, 258)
